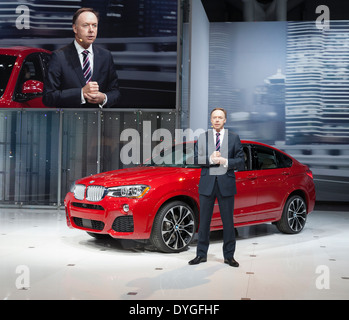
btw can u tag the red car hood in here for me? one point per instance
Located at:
(137, 175)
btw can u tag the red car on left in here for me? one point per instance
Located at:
(22, 71)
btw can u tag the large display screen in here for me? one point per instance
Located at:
(287, 84)
(141, 34)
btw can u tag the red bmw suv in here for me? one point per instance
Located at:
(22, 71)
(160, 202)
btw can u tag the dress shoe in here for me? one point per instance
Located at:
(231, 262)
(197, 260)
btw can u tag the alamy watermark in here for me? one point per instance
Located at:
(138, 148)
(322, 22)
(23, 19)
(323, 279)
(23, 280)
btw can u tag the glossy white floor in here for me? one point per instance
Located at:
(41, 258)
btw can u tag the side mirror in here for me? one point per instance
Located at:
(33, 87)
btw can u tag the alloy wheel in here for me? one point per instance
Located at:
(178, 227)
(297, 214)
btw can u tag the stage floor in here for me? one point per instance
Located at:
(41, 258)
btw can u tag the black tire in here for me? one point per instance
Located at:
(174, 227)
(294, 216)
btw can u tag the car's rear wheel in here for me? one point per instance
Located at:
(294, 216)
(174, 227)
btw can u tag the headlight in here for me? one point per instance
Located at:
(134, 192)
(72, 187)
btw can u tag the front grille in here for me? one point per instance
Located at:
(123, 224)
(87, 206)
(89, 224)
(95, 193)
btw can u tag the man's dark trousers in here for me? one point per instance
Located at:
(226, 207)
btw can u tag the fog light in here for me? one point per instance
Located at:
(126, 208)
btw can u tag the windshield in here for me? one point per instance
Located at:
(181, 156)
(6, 65)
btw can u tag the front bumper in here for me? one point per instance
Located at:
(109, 217)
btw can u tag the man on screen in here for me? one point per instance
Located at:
(82, 75)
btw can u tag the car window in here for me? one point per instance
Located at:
(181, 155)
(31, 70)
(6, 66)
(283, 160)
(266, 158)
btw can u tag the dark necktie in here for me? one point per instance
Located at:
(218, 142)
(86, 66)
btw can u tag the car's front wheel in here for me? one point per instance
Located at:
(174, 227)
(293, 216)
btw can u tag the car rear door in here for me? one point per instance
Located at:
(272, 173)
(246, 198)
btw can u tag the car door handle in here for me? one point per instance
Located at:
(251, 177)
(286, 173)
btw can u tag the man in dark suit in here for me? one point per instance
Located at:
(219, 152)
(82, 75)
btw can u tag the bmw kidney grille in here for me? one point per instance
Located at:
(93, 193)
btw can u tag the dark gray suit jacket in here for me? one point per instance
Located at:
(231, 149)
(64, 80)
